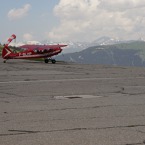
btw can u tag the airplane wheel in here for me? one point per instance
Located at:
(53, 61)
(4, 61)
(46, 60)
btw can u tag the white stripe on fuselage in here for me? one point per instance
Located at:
(36, 55)
(8, 52)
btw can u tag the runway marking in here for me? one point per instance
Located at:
(67, 80)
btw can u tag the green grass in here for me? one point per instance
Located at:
(1, 47)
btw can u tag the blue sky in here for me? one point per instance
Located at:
(38, 19)
(72, 20)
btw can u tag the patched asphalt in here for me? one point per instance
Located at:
(71, 104)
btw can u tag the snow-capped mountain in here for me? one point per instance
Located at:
(34, 43)
(106, 41)
(122, 54)
(75, 46)
(79, 46)
(23, 43)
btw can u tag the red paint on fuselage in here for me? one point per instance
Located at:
(31, 51)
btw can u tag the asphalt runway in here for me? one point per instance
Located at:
(71, 104)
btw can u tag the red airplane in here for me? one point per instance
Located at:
(31, 51)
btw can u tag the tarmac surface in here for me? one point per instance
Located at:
(71, 104)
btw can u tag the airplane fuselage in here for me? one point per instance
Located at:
(31, 51)
(33, 54)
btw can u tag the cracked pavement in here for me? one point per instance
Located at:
(47, 104)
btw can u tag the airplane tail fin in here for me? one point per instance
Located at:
(6, 51)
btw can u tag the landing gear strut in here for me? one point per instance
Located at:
(52, 60)
(4, 61)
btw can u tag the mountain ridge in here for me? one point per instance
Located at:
(122, 54)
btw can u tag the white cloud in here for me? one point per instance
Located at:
(89, 19)
(27, 37)
(14, 14)
(121, 5)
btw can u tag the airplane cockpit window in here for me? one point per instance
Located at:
(35, 50)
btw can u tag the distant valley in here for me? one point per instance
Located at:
(121, 54)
